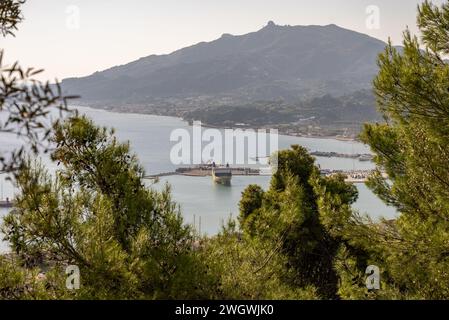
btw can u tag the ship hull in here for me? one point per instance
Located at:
(224, 180)
(222, 176)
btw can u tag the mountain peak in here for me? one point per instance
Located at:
(226, 35)
(279, 61)
(271, 24)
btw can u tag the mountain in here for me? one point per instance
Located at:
(285, 63)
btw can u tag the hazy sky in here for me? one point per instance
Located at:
(78, 37)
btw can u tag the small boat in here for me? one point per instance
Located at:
(222, 175)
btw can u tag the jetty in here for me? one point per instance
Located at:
(353, 176)
(204, 171)
(359, 156)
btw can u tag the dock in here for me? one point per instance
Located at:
(364, 157)
(204, 171)
(353, 176)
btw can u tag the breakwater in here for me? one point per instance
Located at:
(359, 156)
(352, 176)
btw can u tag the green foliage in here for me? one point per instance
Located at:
(17, 282)
(249, 268)
(128, 241)
(324, 115)
(412, 90)
(10, 16)
(251, 200)
(300, 239)
(433, 22)
(293, 220)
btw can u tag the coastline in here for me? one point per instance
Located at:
(210, 126)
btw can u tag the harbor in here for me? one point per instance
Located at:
(206, 170)
(198, 194)
(359, 156)
(352, 176)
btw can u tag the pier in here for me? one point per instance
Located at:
(358, 156)
(204, 171)
(353, 176)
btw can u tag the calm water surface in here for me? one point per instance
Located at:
(199, 196)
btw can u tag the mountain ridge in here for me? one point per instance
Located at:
(275, 62)
(225, 35)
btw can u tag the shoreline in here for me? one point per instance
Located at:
(352, 176)
(210, 126)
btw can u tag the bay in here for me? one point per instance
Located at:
(198, 197)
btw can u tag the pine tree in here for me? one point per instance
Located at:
(412, 148)
(290, 220)
(25, 103)
(127, 240)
